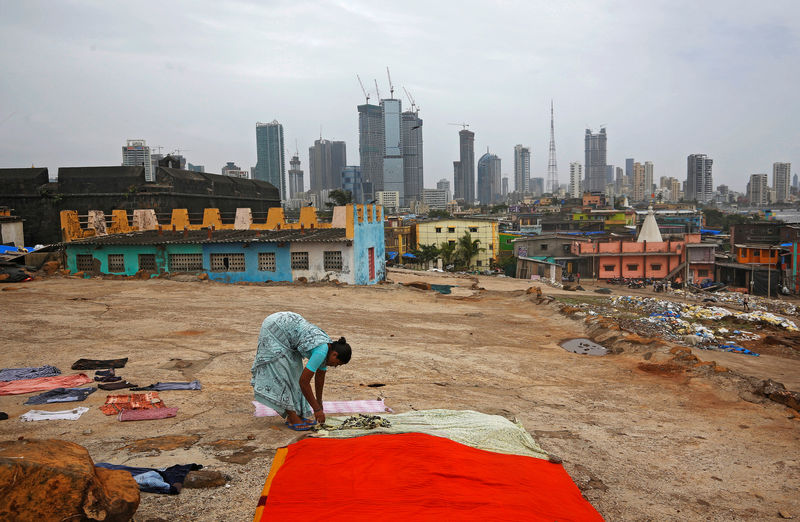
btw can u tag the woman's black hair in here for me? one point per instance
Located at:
(342, 350)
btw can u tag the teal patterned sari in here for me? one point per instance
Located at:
(285, 340)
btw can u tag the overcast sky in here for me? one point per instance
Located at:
(666, 78)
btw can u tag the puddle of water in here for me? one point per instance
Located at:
(584, 347)
(442, 289)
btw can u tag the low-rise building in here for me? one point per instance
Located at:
(451, 230)
(556, 247)
(349, 249)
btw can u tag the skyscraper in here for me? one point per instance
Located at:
(638, 182)
(595, 161)
(489, 187)
(136, 153)
(522, 169)
(444, 184)
(781, 175)
(537, 186)
(326, 159)
(464, 169)
(370, 143)
(270, 164)
(393, 148)
(575, 179)
(758, 190)
(504, 191)
(699, 180)
(296, 186)
(648, 180)
(412, 156)
(353, 182)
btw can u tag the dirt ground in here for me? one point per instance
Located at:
(641, 446)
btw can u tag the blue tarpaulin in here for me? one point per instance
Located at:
(391, 255)
(710, 231)
(409, 255)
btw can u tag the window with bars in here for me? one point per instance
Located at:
(85, 262)
(116, 263)
(185, 262)
(147, 262)
(333, 260)
(266, 261)
(299, 260)
(227, 262)
(655, 267)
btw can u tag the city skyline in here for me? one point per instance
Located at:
(214, 72)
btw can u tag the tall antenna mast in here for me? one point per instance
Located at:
(552, 167)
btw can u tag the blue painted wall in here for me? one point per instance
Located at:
(365, 235)
(283, 271)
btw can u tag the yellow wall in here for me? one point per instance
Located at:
(453, 229)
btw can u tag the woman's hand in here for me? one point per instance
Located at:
(320, 416)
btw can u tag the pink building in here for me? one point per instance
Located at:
(656, 260)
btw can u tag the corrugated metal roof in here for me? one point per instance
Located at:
(168, 237)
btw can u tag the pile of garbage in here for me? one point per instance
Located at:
(737, 299)
(660, 308)
(692, 324)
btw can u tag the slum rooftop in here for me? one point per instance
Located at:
(169, 237)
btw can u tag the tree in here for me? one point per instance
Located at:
(427, 253)
(467, 249)
(441, 214)
(447, 252)
(502, 208)
(339, 198)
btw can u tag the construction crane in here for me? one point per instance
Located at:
(362, 88)
(464, 125)
(414, 106)
(377, 90)
(391, 87)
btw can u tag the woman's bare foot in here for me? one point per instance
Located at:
(293, 418)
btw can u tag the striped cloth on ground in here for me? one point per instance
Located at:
(362, 406)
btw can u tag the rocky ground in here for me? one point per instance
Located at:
(647, 433)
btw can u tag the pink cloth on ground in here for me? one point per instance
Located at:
(364, 406)
(154, 414)
(43, 384)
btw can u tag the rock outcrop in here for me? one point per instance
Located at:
(57, 480)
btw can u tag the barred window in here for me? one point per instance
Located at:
(85, 262)
(185, 262)
(609, 268)
(147, 262)
(227, 262)
(655, 267)
(333, 260)
(633, 267)
(116, 263)
(299, 260)
(266, 261)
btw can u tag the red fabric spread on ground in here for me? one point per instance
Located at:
(414, 476)
(134, 401)
(43, 384)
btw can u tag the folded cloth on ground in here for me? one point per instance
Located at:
(107, 378)
(472, 428)
(173, 476)
(97, 364)
(154, 414)
(110, 386)
(61, 395)
(40, 415)
(105, 373)
(43, 383)
(364, 406)
(163, 386)
(17, 374)
(135, 401)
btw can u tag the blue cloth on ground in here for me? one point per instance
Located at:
(151, 481)
(18, 374)
(163, 386)
(61, 395)
(171, 476)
